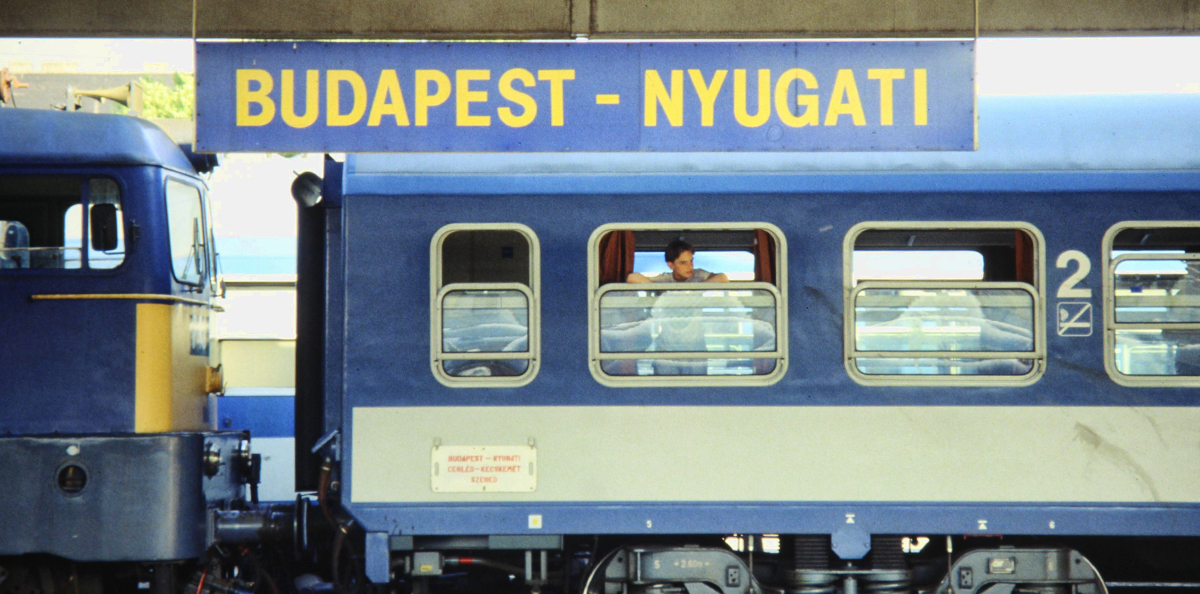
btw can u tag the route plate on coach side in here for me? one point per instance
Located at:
(479, 469)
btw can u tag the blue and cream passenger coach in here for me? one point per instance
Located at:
(995, 343)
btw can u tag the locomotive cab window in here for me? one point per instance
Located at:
(944, 303)
(697, 305)
(1152, 303)
(42, 223)
(188, 234)
(485, 296)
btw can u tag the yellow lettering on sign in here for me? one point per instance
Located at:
(811, 115)
(656, 95)
(388, 88)
(764, 99)
(845, 100)
(920, 98)
(312, 98)
(885, 76)
(256, 106)
(556, 78)
(529, 106)
(465, 97)
(333, 84)
(707, 93)
(425, 100)
(260, 97)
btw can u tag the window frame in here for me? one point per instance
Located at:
(438, 292)
(778, 289)
(122, 215)
(850, 293)
(1108, 284)
(206, 229)
(215, 278)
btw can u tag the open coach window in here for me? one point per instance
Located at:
(1152, 303)
(42, 223)
(667, 330)
(485, 296)
(944, 303)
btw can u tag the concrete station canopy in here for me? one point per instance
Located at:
(609, 19)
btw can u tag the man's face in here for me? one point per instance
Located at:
(681, 268)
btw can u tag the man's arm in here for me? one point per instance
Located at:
(635, 277)
(719, 277)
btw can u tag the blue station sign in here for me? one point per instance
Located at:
(585, 96)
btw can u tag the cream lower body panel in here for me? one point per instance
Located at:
(794, 454)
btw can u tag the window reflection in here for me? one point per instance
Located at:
(1157, 292)
(485, 322)
(186, 227)
(927, 319)
(688, 322)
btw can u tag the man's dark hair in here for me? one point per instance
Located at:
(677, 247)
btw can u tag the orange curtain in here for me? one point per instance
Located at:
(764, 257)
(616, 256)
(1024, 253)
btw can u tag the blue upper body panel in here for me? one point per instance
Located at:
(50, 137)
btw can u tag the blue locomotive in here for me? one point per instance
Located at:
(951, 372)
(113, 478)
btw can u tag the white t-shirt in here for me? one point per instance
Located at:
(699, 275)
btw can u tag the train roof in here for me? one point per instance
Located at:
(1122, 135)
(34, 136)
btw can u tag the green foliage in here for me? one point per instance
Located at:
(162, 101)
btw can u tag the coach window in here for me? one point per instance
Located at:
(688, 333)
(189, 238)
(484, 291)
(42, 223)
(944, 303)
(1152, 303)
